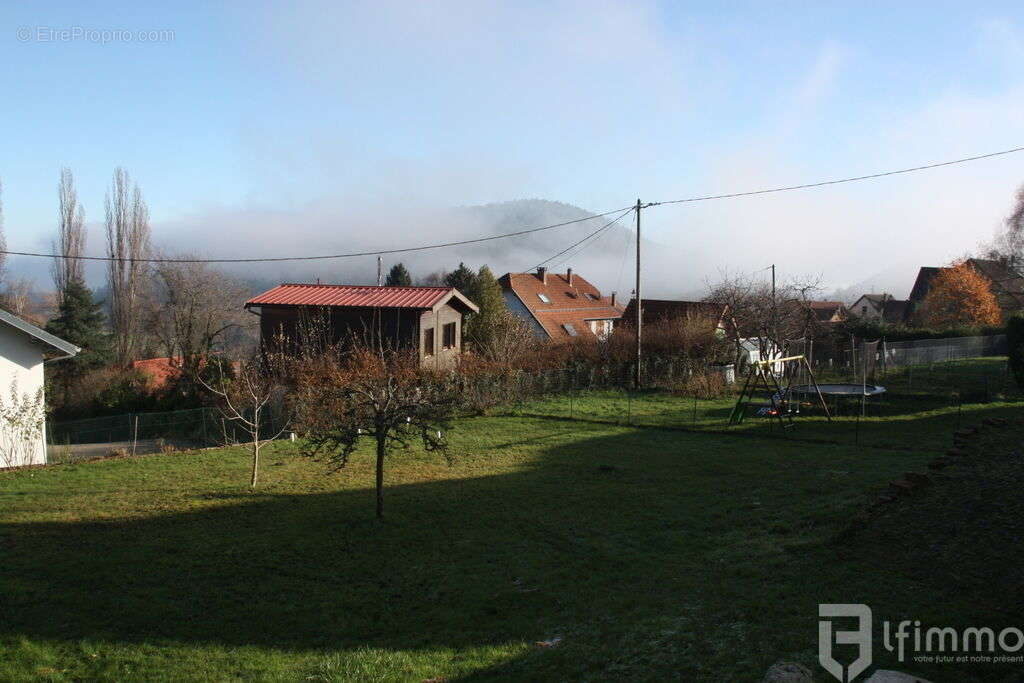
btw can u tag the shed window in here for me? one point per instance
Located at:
(428, 341)
(570, 329)
(448, 331)
(544, 298)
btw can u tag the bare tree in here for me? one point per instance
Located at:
(71, 236)
(384, 396)
(771, 318)
(17, 296)
(128, 245)
(194, 311)
(506, 339)
(3, 237)
(1008, 242)
(247, 397)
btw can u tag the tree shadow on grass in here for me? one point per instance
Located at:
(599, 536)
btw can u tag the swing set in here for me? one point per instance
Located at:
(776, 377)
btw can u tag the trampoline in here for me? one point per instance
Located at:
(840, 389)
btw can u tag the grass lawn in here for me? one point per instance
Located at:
(652, 554)
(922, 408)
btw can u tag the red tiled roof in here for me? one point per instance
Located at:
(352, 296)
(825, 311)
(575, 304)
(159, 372)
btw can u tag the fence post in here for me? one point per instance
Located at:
(135, 436)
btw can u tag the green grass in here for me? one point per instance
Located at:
(653, 554)
(921, 409)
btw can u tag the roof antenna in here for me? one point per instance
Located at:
(380, 266)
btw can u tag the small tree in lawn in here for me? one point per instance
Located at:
(959, 296)
(385, 396)
(246, 398)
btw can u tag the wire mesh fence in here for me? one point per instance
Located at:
(920, 408)
(197, 426)
(923, 400)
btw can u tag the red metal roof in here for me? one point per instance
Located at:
(351, 295)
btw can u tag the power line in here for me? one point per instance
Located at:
(838, 181)
(317, 258)
(517, 233)
(580, 249)
(575, 244)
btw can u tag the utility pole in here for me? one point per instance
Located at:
(775, 315)
(639, 314)
(380, 271)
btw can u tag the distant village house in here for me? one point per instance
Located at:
(560, 306)
(1007, 285)
(880, 307)
(715, 316)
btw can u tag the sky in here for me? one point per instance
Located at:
(294, 128)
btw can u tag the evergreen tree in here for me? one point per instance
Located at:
(398, 276)
(80, 321)
(486, 294)
(462, 279)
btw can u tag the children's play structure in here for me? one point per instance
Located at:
(791, 387)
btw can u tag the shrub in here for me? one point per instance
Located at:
(703, 385)
(1015, 342)
(872, 329)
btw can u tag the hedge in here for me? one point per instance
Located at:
(1015, 342)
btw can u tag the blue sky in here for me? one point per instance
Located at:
(307, 110)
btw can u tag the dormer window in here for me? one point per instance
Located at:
(591, 296)
(570, 330)
(544, 298)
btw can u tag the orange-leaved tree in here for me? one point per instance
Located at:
(959, 296)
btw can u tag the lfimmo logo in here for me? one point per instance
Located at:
(828, 637)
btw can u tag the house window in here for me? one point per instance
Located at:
(544, 298)
(428, 341)
(601, 328)
(448, 332)
(570, 329)
(863, 310)
(591, 296)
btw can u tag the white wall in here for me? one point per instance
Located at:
(21, 360)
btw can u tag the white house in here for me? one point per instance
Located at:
(879, 307)
(23, 350)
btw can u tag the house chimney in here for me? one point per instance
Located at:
(568, 276)
(613, 298)
(542, 274)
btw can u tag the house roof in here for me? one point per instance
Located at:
(159, 372)
(1007, 283)
(826, 310)
(1004, 278)
(895, 310)
(358, 296)
(662, 309)
(576, 304)
(63, 348)
(923, 283)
